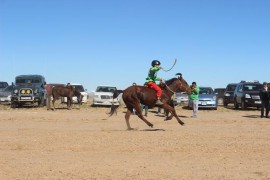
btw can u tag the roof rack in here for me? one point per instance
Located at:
(251, 81)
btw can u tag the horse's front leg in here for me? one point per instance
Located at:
(167, 117)
(54, 99)
(173, 112)
(68, 103)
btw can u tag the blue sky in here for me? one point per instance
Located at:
(112, 42)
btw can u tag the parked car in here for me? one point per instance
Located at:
(246, 94)
(5, 94)
(103, 95)
(207, 99)
(180, 98)
(3, 85)
(81, 89)
(220, 95)
(228, 94)
(29, 89)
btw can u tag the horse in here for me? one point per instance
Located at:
(69, 92)
(133, 96)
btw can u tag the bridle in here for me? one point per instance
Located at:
(181, 85)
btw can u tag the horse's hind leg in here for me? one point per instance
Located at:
(127, 116)
(137, 107)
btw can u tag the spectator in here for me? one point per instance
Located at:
(145, 109)
(264, 95)
(144, 106)
(194, 97)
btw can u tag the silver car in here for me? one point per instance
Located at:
(207, 99)
(5, 94)
(180, 98)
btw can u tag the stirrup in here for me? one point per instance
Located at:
(159, 102)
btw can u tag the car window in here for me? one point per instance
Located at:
(252, 87)
(3, 84)
(231, 87)
(79, 88)
(205, 91)
(105, 89)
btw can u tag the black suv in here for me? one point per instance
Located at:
(228, 94)
(246, 94)
(220, 95)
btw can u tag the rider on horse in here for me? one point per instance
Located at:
(152, 78)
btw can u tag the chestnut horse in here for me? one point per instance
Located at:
(69, 92)
(133, 96)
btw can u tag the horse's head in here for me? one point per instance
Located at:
(183, 85)
(177, 84)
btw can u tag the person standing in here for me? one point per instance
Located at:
(152, 78)
(194, 98)
(264, 95)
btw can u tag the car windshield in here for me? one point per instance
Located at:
(28, 81)
(231, 87)
(206, 91)
(3, 84)
(252, 87)
(79, 88)
(105, 89)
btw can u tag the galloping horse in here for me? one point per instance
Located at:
(133, 96)
(69, 92)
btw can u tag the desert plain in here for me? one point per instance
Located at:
(85, 143)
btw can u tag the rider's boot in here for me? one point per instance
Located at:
(159, 102)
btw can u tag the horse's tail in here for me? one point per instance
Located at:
(116, 93)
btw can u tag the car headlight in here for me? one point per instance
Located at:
(96, 96)
(227, 94)
(247, 96)
(214, 98)
(16, 91)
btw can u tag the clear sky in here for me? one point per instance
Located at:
(112, 42)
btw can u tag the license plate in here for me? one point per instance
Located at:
(258, 102)
(204, 103)
(26, 98)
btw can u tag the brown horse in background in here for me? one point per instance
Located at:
(69, 92)
(133, 96)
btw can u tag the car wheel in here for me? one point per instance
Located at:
(13, 105)
(41, 102)
(220, 100)
(235, 105)
(243, 106)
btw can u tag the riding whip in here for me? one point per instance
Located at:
(175, 60)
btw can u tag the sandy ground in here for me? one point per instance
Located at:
(83, 143)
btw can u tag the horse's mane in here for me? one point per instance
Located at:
(170, 81)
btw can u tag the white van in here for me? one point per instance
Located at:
(81, 89)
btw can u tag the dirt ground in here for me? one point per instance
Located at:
(83, 143)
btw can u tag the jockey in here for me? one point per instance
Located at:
(152, 78)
